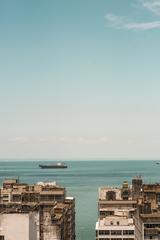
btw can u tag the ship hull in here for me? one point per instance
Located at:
(52, 166)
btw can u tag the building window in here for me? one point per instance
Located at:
(116, 232)
(104, 239)
(1, 237)
(128, 232)
(104, 232)
(118, 239)
(128, 238)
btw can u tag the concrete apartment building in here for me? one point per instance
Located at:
(36, 212)
(147, 216)
(129, 212)
(116, 209)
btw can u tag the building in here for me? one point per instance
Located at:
(115, 214)
(147, 216)
(36, 212)
(111, 200)
(119, 226)
(129, 212)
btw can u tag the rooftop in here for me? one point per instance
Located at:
(104, 190)
(114, 221)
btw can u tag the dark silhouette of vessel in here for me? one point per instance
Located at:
(57, 165)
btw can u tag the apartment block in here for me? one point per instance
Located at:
(36, 212)
(129, 212)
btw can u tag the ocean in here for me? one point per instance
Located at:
(82, 180)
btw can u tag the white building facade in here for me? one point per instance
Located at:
(115, 228)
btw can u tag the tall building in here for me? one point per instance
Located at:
(36, 212)
(115, 214)
(137, 183)
(129, 212)
(147, 216)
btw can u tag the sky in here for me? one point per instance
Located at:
(79, 79)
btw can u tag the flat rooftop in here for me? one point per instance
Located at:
(114, 222)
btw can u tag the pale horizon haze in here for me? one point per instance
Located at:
(80, 79)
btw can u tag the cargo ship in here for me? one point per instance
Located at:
(56, 165)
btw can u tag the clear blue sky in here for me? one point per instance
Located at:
(80, 79)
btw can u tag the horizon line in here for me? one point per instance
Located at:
(76, 159)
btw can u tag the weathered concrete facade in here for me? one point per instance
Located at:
(19, 226)
(36, 212)
(129, 212)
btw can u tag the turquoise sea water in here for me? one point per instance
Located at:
(82, 180)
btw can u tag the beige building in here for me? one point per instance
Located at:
(114, 227)
(36, 212)
(147, 217)
(19, 226)
(115, 214)
(129, 212)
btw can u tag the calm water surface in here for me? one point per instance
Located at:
(82, 179)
